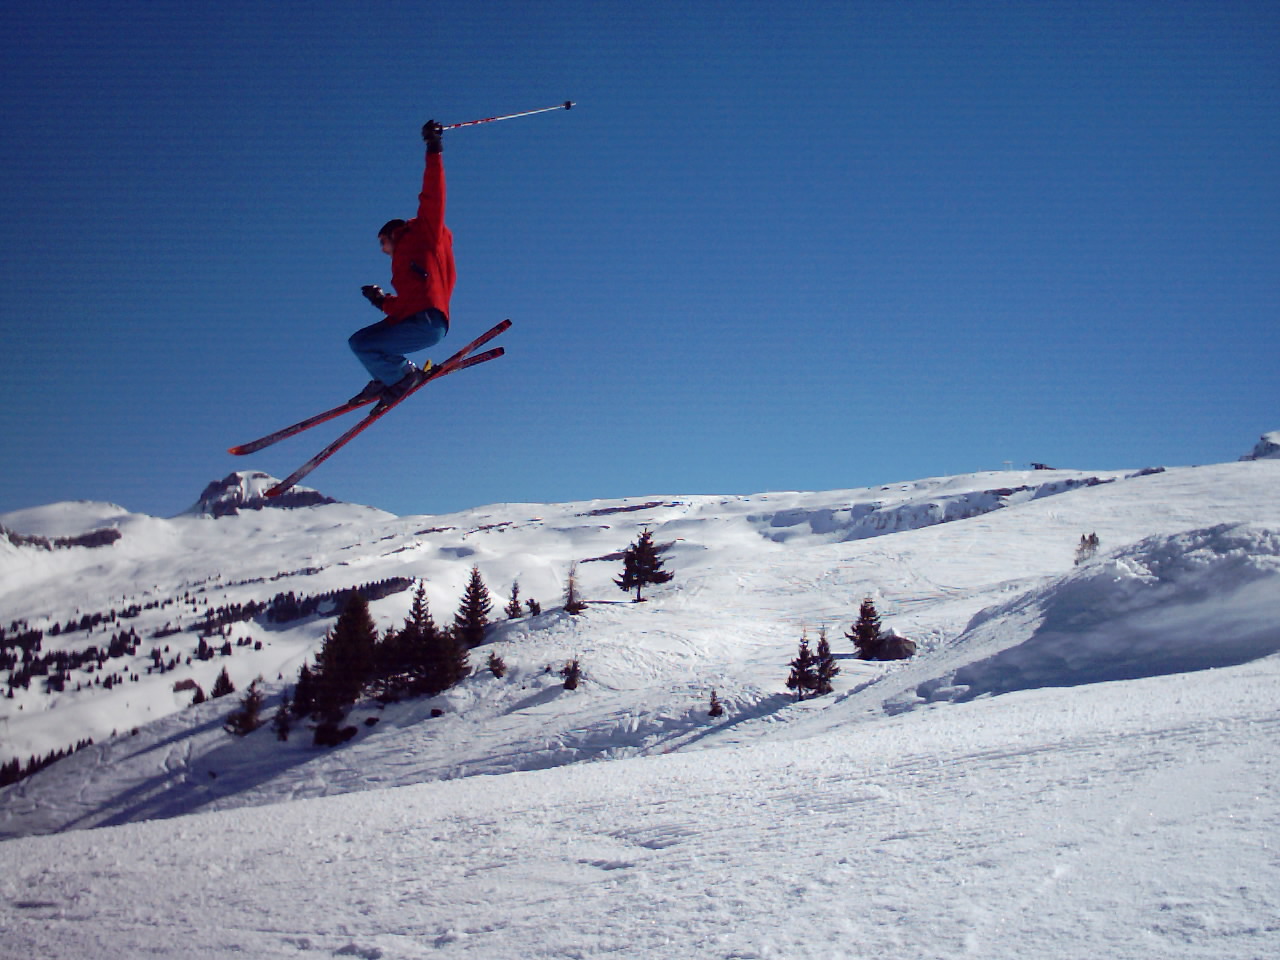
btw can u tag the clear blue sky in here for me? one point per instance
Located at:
(774, 246)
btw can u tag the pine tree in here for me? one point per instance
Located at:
(866, 631)
(716, 708)
(414, 642)
(572, 673)
(345, 662)
(825, 669)
(282, 722)
(473, 613)
(223, 685)
(446, 662)
(249, 717)
(641, 565)
(803, 678)
(433, 660)
(304, 696)
(497, 666)
(513, 609)
(390, 666)
(419, 611)
(573, 604)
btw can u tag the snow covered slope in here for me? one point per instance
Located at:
(1120, 820)
(67, 519)
(169, 575)
(1080, 761)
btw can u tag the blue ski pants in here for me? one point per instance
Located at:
(382, 346)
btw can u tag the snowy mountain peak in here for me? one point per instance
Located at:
(1267, 448)
(246, 490)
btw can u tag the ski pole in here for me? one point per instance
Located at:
(568, 104)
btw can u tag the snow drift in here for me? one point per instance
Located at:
(1169, 604)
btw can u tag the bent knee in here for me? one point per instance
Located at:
(360, 340)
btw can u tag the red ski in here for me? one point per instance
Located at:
(459, 361)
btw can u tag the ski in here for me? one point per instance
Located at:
(369, 420)
(459, 361)
(284, 433)
(253, 446)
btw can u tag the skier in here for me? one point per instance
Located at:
(422, 274)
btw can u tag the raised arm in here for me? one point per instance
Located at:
(431, 199)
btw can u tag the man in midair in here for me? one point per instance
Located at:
(422, 275)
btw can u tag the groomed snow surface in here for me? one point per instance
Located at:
(1080, 762)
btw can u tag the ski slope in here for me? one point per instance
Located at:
(1079, 762)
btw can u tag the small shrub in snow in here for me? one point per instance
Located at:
(573, 604)
(717, 708)
(497, 666)
(329, 734)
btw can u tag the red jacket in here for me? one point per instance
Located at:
(422, 270)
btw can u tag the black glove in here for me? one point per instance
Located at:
(374, 294)
(431, 132)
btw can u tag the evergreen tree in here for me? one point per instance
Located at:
(304, 693)
(473, 613)
(803, 678)
(716, 709)
(513, 608)
(573, 604)
(282, 722)
(825, 667)
(249, 717)
(431, 660)
(497, 666)
(223, 685)
(866, 631)
(446, 663)
(415, 641)
(641, 565)
(346, 660)
(390, 666)
(572, 673)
